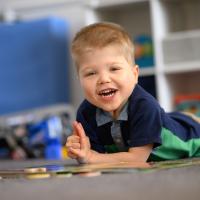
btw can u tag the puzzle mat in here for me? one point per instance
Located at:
(57, 170)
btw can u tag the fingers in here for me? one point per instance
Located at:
(73, 138)
(73, 142)
(74, 145)
(79, 156)
(72, 155)
(78, 145)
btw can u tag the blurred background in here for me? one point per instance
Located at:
(39, 88)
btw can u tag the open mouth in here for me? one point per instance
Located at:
(107, 92)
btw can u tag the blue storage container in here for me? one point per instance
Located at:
(34, 61)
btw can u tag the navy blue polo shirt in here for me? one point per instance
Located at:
(174, 135)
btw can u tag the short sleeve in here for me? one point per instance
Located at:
(145, 123)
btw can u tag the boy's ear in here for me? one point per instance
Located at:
(136, 69)
(136, 72)
(136, 66)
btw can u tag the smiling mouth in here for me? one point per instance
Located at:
(107, 92)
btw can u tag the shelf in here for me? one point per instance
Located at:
(127, 16)
(184, 83)
(147, 71)
(99, 4)
(181, 47)
(183, 34)
(182, 67)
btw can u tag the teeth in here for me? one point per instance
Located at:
(107, 92)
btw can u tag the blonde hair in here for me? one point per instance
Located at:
(101, 35)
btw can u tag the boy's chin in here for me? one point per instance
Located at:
(109, 109)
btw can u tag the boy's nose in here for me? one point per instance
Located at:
(103, 78)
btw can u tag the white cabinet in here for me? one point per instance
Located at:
(174, 26)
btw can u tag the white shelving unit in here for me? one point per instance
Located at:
(177, 48)
(174, 26)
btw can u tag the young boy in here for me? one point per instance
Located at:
(119, 121)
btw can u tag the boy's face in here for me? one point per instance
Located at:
(107, 78)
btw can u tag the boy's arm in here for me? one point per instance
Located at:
(135, 154)
(84, 154)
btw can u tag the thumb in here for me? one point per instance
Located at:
(75, 128)
(84, 140)
(81, 131)
(78, 129)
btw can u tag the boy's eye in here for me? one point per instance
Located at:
(114, 68)
(90, 74)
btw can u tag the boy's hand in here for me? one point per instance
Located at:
(78, 144)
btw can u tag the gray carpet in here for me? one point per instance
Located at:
(167, 184)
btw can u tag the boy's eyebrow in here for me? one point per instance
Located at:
(113, 63)
(86, 68)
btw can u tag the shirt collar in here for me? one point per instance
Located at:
(103, 117)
